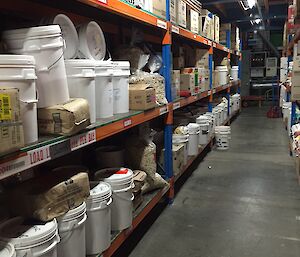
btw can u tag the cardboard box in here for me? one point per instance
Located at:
(51, 195)
(178, 62)
(141, 97)
(175, 74)
(181, 18)
(11, 128)
(202, 58)
(159, 8)
(178, 158)
(64, 119)
(187, 82)
(205, 29)
(217, 28)
(194, 21)
(173, 11)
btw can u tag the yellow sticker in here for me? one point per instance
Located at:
(5, 107)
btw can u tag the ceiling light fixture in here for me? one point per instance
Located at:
(248, 4)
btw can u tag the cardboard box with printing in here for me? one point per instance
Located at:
(11, 128)
(192, 20)
(173, 11)
(181, 18)
(141, 97)
(202, 58)
(187, 83)
(51, 195)
(217, 28)
(178, 158)
(159, 8)
(64, 119)
(175, 83)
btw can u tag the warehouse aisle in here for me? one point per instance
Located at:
(247, 204)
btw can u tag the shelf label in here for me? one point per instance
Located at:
(214, 91)
(176, 105)
(161, 24)
(175, 29)
(103, 1)
(12, 167)
(127, 123)
(82, 140)
(214, 44)
(38, 156)
(163, 110)
(209, 42)
(60, 149)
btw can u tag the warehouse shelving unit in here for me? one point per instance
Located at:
(50, 148)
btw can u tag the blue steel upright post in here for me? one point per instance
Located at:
(210, 78)
(166, 54)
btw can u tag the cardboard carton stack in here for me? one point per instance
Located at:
(225, 31)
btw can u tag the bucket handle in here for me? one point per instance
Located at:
(124, 189)
(101, 205)
(126, 199)
(74, 224)
(29, 101)
(80, 122)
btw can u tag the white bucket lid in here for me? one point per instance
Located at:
(80, 63)
(221, 68)
(69, 34)
(22, 234)
(32, 32)
(7, 250)
(17, 60)
(177, 138)
(193, 127)
(101, 191)
(74, 213)
(123, 175)
(91, 41)
(104, 64)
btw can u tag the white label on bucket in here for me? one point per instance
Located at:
(127, 123)
(39, 155)
(161, 24)
(176, 105)
(163, 110)
(175, 29)
(83, 140)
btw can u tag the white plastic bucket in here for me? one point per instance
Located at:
(71, 229)
(81, 81)
(98, 236)
(91, 41)
(222, 137)
(236, 99)
(234, 73)
(18, 71)
(194, 131)
(7, 250)
(104, 89)
(184, 140)
(121, 208)
(222, 73)
(31, 240)
(121, 86)
(46, 44)
(203, 121)
(69, 34)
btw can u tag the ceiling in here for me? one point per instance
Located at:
(273, 13)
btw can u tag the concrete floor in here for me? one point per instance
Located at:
(246, 205)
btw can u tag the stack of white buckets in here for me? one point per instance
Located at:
(223, 135)
(84, 230)
(39, 70)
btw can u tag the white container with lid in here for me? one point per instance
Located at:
(121, 70)
(81, 81)
(234, 73)
(98, 227)
(203, 121)
(31, 239)
(18, 71)
(91, 41)
(71, 227)
(7, 250)
(194, 131)
(223, 74)
(121, 208)
(46, 45)
(104, 89)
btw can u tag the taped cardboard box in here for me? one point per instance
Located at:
(51, 195)
(173, 11)
(141, 97)
(64, 119)
(181, 18)
(11, 128)
(159, 8)
(178, 158)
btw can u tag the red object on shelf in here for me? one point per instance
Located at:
(185, 93)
